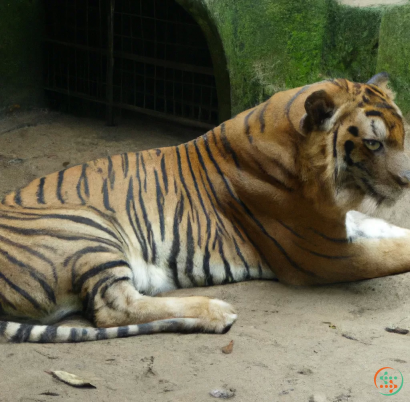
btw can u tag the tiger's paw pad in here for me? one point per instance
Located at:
(220, 316)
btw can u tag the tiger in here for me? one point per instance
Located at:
(278, 192)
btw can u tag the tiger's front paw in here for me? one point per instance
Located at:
(219, 316)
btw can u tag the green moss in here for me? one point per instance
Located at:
(394, 52)
(269, 45)
(351, 44)
(20, 53)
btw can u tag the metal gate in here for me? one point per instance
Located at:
(144, 55)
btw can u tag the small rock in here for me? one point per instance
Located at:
(223, 393)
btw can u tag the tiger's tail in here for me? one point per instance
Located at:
(17, 333)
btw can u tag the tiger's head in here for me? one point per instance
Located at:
(354, 135)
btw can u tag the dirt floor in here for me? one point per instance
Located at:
(306, 344)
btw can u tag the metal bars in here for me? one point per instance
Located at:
(143, 55)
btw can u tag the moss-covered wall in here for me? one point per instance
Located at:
(351, 42)
(394, 52)
(258, 47)
(269, 45)
(20, 53)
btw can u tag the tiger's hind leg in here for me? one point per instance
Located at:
(111, 300)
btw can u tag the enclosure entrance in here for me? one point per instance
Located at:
(148, 56)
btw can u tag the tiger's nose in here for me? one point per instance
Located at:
(404, 178)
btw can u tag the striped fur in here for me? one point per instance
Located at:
(264, 195)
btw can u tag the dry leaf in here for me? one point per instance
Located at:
(71, 379)
(228, 348)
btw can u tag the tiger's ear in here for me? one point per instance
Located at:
(382, 81)
(319, 108)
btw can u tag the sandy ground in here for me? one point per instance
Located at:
(290, 344)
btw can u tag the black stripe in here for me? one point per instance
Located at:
(89, 300)
(97, 270)
(144, 169)
(22, 334)
(33, 252)
(209, 280)
(17, 197)
(371, 190)
(37, 276)
(5, 302)
(240, 255)
(353, 130)
(228, 273)
(111, 173)
(290, 103)
(335, 142)
(83, 180)
(122, 332)
(21, 292)
(82, 220)
(124, 164)
(60, 179)
(216, 143)
(384, 105)
(270, 178)
(190, 252)
(291, 230)
(164, 174)
(349, 146)
(212, 203)
(335, 82)
(175, 248)
(49, 335)
(198, 227)
(106, 197)
(112, 283)
(74, 335)
(247, 126)
(227, 146)
(130, 207)
(160, 205)
(237, 231)
(57, 235)
(215, 238)
(332, 239)
(101, 334)
(150, 233)
(3, 327)
(374, 113)
(262, 117)
(181, 176)
(194, 180)
(373, 91)
(329, 257)
(40, 191)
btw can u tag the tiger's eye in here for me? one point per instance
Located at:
(373, 145)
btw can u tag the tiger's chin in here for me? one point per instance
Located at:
(355, 198)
